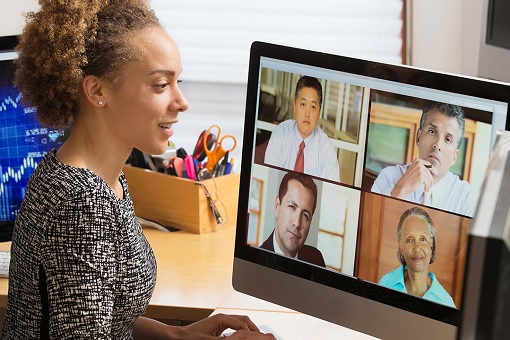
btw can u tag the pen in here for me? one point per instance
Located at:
(223, 165)
(215, 170)
(229, 166)
(197, 165)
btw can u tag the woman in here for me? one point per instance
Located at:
(81, 266)
(416, 250)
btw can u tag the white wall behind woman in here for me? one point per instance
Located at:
(444, 36)
(11, 15)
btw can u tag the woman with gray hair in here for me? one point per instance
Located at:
(416, 250)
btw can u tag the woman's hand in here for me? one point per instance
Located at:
(216, 324)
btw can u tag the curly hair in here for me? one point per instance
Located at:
(69, 39)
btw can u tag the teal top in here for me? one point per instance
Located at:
(436, 292)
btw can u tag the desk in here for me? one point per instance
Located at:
(194, 273)
(195, 280)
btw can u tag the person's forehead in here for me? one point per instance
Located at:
(157, 50)
(295, 187)
(415, 223)
(307, 92)
(441, 120)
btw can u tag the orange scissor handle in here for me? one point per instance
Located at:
(217, 152)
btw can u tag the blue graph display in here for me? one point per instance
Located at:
(23, 142)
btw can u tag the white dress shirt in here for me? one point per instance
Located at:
(321, 158)
(450, 193)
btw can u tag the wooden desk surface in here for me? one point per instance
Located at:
(194, 273)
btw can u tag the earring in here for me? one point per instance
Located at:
(100, 102)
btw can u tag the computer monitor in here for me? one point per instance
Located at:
(370, 112)
(23, 141)
(494, 46)
(486, 299)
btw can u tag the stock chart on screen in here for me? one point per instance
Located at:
(23, 142)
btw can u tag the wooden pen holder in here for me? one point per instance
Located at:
(181, 203)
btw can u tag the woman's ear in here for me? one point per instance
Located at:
(93, 90)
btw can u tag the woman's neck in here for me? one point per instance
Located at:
(417, 283)
(93, 150)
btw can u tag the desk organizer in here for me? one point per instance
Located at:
(178, 202)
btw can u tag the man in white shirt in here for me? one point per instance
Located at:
(428, 180)
(319, 155)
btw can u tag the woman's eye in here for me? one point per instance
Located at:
(162, 86)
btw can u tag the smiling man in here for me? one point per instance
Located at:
(428, 180)
(294, 208)
(300, 138)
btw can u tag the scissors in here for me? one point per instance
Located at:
(199, 152)
(218, 151)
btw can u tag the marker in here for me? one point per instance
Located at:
(190, 167)
(181, 153)
(196, 164)
(228, 168)
(178, 165)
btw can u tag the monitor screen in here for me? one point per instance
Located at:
(370, 229)
(23, 141)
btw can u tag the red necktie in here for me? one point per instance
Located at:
(300, 159)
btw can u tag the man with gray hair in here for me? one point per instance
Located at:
(428, 180)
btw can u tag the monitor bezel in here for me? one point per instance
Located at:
(443, 319)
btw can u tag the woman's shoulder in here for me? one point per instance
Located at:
(57, 181)
(442, 294)
(393, 277)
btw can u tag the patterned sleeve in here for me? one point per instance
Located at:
(79, 260)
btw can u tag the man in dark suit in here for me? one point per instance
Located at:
(294, 209)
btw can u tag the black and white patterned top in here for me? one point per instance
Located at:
(81, 267)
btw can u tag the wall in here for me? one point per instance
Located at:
(11, 17)
(444, 36)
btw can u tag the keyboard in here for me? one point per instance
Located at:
(5, 259)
